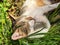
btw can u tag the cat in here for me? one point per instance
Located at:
(33, 14)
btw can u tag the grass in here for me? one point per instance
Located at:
(51, 38)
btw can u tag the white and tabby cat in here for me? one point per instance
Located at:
(33, 18)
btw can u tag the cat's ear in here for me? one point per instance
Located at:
(12, 19)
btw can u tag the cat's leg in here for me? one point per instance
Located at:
(45, 30)
(31, 24)
(47, 24)
(49, 7)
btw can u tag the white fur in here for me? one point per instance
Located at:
(38, 13)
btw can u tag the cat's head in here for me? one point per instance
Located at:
(20, 26)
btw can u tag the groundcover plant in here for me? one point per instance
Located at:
(14, 7)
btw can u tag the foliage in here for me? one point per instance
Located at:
(51, 38)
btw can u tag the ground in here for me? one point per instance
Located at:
(50, 38)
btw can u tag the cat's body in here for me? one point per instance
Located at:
(33, 13)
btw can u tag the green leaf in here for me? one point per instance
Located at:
(5, 9)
